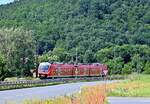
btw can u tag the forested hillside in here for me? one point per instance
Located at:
(62, 28)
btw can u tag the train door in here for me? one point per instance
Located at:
(58, 71)
(70, 70)
(75, 71)
(65, 71)
(83, 70)
(95, 70)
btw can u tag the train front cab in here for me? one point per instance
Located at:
(43, 69)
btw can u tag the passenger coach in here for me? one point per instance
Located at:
(47, 69)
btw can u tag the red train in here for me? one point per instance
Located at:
(47, 69)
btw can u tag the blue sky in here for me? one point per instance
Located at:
(5, 1)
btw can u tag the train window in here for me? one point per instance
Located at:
(96, 64)
(44, 66)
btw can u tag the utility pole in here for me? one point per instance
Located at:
(76, 55)
(76, 71)
(36, 59)
(112, 72)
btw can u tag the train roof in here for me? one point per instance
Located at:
(44, 63)
(95, 64)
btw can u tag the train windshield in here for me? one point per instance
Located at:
(44, 66)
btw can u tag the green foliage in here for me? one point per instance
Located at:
(84, 24)
(18, 48)
(3, 71)
(147, 68)
(98, 29)
(126, 58)
(115, 65)
(2, 60)
(137, 63)
(60, 52)
(48, 57)
(127, 69)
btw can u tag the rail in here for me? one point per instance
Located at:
(4, 85)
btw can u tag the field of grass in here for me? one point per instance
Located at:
(136, 86)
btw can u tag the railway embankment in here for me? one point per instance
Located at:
(18, 84)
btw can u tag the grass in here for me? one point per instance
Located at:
(11, 79)
(136, 86)
(87, 95)
(20, 86)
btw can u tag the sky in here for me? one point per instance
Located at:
(5, 1)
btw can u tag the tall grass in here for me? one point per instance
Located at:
(87, 95)
(136, 86)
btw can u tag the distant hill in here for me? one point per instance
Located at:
(85, 25)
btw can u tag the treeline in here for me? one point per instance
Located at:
(83, 24)
(126, 59)
(64, 29)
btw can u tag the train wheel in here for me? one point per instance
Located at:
(45, 76)
(40, 76)
(103, 75)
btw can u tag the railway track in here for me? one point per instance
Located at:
(4, 85)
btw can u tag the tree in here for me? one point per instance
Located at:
(61, 53)
(146, 17)
(3, 70)
(137, 63)
(48, 57)
(115, 65)
(134, 57)
(108, 28)
(88, 56)
(127, 69)
(147, 68)
(18, 47)
(90, 24)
